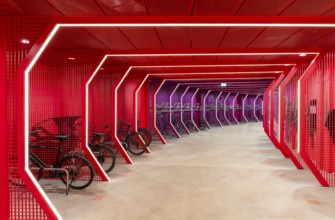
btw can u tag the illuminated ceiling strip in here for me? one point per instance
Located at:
(202, 24)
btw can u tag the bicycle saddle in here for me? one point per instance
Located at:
(61, 137)
(98, 134)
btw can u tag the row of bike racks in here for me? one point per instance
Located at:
(178, 116)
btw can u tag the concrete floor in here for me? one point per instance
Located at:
(224, 173)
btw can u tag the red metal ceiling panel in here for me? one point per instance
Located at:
(306, 37)
(76, 8)
(77, 37)
(207, 37)
(309, 7)
(271, 37)
(216, 7)
(40, 8)
(169, 7)
(239, 37)
(117, 7)
(111, 37)
(239, 58)
(175, 37)
(264, 7)
(143, 37)
(326, 41)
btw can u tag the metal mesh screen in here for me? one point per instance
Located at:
(22, 203)
(291, 114)
(100, 106)
(319, 112)
(55, 102)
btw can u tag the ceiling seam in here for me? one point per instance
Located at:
(146, 7)
(49, 3)
(327, 11)
(281, 42)
(100, 7)
(284, 9)
(127, 38)
(253, 40)
(193, 5)
(239, 7)
(160, 40)
(96, 38)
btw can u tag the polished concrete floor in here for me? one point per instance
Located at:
(225, 173)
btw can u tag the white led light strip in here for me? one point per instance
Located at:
(216, 109)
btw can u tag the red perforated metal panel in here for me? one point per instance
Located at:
(290, 120)
(22, 204)
(317, 138)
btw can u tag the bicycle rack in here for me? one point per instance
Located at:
(216, 109)
(182, 110)
(204, 110)
(67, 185)
(255, 108)
(225, 109)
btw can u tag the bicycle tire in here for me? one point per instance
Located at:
(105, 156)
(134, 146)
(201, 126)
(147, 134)
(36, 173)
(190, 126)
(81, 172)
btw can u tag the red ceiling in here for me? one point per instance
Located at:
(99, 40)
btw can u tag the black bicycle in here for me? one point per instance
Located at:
(131, 140)
(78, 167)
(146, 133)
(104, 154)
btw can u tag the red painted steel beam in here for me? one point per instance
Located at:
(4, 180)
(266, 107)
(23, 131)
(85, 85)
(154, 111)
(271, 129)
(302, 123)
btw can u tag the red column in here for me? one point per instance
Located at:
(4, 200)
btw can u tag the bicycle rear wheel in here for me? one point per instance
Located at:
(81, 172)
(134, 146)
(105, 156)
(190, 126)
(147, 135)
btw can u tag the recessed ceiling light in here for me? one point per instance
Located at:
(286, 64)
(72, 58)
(24, 41)
(102, 68)
(302, 55)
(277, 72)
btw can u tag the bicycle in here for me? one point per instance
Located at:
(105, 155)
(130, 139)
(146, 133)
(78, 167)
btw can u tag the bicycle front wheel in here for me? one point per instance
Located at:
(81, 172)
(147, 135)
(134, 145)
(105, 156)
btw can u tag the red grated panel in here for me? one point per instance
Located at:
(291, 114)
(100, 106)
(55, 102)
(22, 204)
(319, 110)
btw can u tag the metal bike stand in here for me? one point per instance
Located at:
(58, 169)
